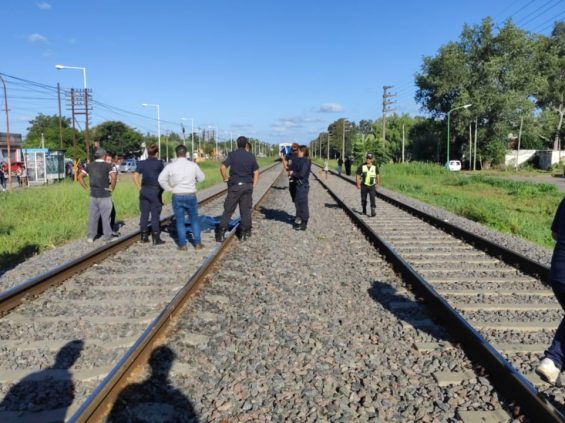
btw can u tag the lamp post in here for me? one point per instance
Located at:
(191, 136)
(7, 135)
(158, 122)
(466, 106)
(75, 67)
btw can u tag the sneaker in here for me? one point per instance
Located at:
(182, 248)
(548, 370)
(90, 240)
(198, 246)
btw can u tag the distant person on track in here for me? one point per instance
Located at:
(99, 172)
(326, 169)
(287, 163)
(348, 163)
(300, 170)
(146, 178)
(243, 178)
(339, 165)
(108, 159)
(180, 177)
(367, 178)
(554, 357)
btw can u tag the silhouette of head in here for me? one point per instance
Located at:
(67, 355)
(161, 361)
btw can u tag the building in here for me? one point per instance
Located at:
(15, 147)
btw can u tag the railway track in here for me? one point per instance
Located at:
(483, 290)
(297, 332)
(87, 314)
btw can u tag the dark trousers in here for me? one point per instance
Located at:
(556, 351)
(292, 189)
(301, 202)
(150, 204)
(348, 170)
(372, 191)
(241, 195)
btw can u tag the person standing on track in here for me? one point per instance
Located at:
(180, 177)
(300, 171)
(554, 357)
(287, 163)
(146, 178)
(99, 172)
(243, 178)
(367, 178)
(339, 165)
(347, 163)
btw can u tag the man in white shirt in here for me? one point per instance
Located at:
(180, 178)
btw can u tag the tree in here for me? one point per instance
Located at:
(118, 138)
(49, 127)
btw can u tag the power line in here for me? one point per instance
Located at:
(547, 9)
(549, 22)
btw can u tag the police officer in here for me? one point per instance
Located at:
(243, 177)
(367, 177)
(150, 194)
(287, 164)
(300, 171)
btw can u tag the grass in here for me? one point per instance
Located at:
(525, 209)
(39, 218)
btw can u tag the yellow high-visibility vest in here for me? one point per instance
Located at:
(370, 175)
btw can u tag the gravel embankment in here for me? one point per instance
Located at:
(306, 326)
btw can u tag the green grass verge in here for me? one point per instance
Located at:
(525, 209)
(38, 218)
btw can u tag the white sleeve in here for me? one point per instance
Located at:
(164, 179)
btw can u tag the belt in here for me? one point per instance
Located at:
(188, 194)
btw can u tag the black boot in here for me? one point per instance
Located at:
(144, 237)
(373, 213)
(156, 238)
(364, 209)
(297, 222)
(303, 225)
(220, 234)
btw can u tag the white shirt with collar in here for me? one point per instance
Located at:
(181, 176)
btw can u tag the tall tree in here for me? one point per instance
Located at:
(49, 127)
(118, 138)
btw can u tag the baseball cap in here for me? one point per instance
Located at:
(369, 155)
(100, 153)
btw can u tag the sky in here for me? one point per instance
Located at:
(277, 70)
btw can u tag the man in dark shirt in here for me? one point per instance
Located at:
(244, 175)
(99, 173)
(150, 194)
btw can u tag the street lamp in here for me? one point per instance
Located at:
(158, 122)
(466, 106)
(191, 136)
(74, 67)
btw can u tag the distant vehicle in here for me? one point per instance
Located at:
(454, 165)
(15, 166)
(284, 148)
(128, 166)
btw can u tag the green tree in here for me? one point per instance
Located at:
(49, 127)
(118, 138)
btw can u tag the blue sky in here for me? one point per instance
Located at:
(277, 70)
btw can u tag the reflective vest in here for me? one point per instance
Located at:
(369, 175)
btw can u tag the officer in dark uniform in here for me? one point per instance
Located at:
(150, 194)
(367, 178)
(243, 177)
(287, 164)
(300, 171)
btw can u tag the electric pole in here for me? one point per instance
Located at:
(60, 117)
(386, 104)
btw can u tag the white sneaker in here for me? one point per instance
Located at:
(548, 371)
(90, 240)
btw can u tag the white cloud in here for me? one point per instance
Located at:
(37, 38)
(43, 5)
(330, 108)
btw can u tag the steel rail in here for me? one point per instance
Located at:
(99, 403)
(504, 377)
(12, 297)
(524, 264)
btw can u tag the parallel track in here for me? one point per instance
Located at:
(495, 300)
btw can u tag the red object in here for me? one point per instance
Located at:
(16, 166)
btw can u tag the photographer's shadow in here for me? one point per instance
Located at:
(154, 399)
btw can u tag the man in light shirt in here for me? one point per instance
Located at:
(180, 178)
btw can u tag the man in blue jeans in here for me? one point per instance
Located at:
(554, 357)
(180, 178)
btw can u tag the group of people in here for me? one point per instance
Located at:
(152, 178)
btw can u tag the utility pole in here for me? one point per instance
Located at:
(402, 143)
(60, 116)
(520, 139)
(86, 134)
(328, 147)
(7, 134)
(475, 158)
(73, 118)
(386, 104)
(470, 143)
